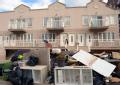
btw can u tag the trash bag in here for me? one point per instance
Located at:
(27, 78)
(32, 61)
(14, 58)
(50, 78)
(15, 75)
(98, 79)
(27, 81)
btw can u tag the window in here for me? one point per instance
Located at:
(50, 37)
(23, 23)
(45, 21)
(72, 38)
(29, 22)
(100, 36)
(26, 37)
(112, 35)
(96, 21)
(112, 20)
(66, 20)
(11, 24)
(106, 36)
(18, 23)
(85, 20)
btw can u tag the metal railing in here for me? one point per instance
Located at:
(29, 43)
(105, 43)
(57, 24)
(98, 23)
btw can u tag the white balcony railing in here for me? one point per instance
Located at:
(55, 24)
(28, 43)
(102, 43)
(98, 23)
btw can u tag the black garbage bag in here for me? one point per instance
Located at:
(32, 61)
(14, 58)
(19, 77)
(15, 75)
(27, 81)
(98, 79)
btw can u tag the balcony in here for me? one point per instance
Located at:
(105, 44)
(17, 30)
(98, 24)
(94, 44)
(55, 25)
(19, 25)
(28, 43)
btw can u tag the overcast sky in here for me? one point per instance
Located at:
(7, 5)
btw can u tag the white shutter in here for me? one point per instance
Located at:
(106, 21)
(112, 20)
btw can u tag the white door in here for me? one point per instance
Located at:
(81, 39)
(12, 40)
(71, 40)
(89, 38)
(6, 40)
(63, 38)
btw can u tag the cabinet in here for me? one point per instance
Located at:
(39, 73)
(71, 75)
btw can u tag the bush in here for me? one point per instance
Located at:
(6, 68)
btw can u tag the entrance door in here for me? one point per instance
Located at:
(81, 39)
(89, 38)
(12, 40)
(6, 40)
(71, 40)
(63, 39)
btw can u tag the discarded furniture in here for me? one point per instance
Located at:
(73, 75)
(39, 72)
(116, 55)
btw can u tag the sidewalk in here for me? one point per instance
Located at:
(8, 83)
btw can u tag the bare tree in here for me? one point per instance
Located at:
(113, 4)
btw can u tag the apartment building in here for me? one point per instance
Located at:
(94, 27)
